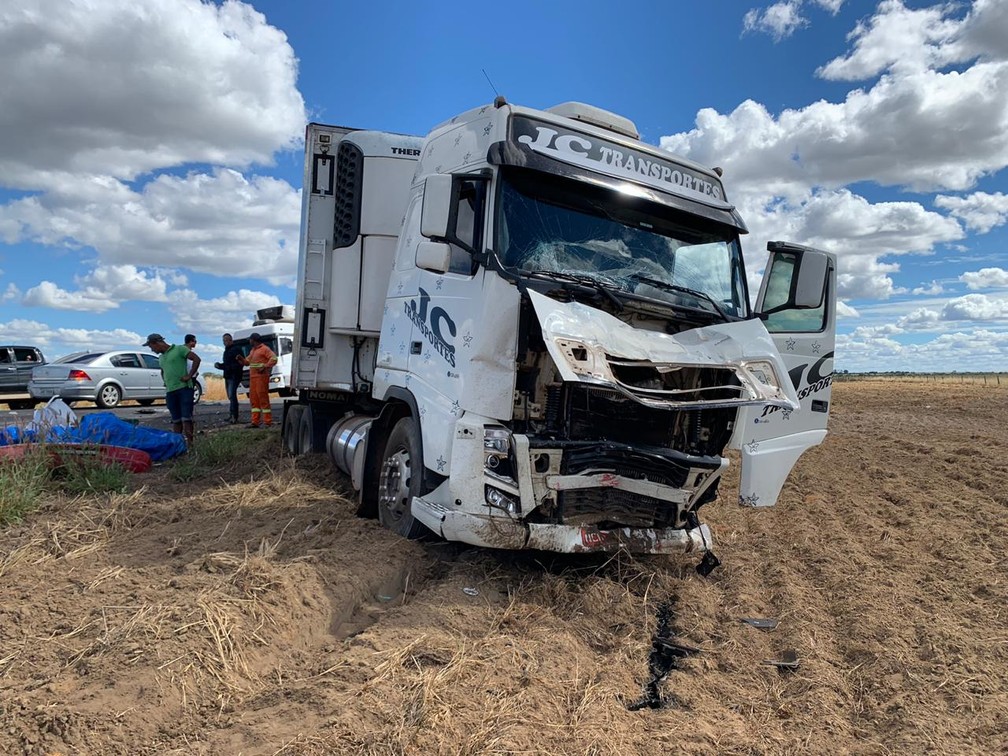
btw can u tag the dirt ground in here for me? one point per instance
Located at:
(249, 612)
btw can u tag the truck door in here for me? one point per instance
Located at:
(797, 304)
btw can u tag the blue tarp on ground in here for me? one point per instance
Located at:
(104, 428)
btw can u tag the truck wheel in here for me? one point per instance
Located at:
(306, 432)
(401, 479)
(109, 396)
(291, 434)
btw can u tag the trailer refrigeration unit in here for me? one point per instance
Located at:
(531, 330)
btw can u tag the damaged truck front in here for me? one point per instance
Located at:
(567, 348)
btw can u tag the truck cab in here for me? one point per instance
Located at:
(532, 330)
(275, 325)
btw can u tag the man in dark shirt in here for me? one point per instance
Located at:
(232, 370)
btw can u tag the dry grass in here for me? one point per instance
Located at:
(251, 611)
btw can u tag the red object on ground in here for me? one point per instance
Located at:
(133, 460)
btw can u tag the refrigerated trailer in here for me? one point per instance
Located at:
(532, 330)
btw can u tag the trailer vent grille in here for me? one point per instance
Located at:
(349, 179)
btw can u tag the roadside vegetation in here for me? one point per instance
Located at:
(25, 482)
(214, 451)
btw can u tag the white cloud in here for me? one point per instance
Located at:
(118, 88)
(833, 6)
(48, 294)
(980, 211)
(979, 350)
(779, 20)
(209, 318)
(105, 288)
(896, 37)
(931, 290)
(921, 318)
(904, 40)
(924, 131)
(976, 307)
(844, 310)
(11, 293)
(221, 223)
(859, 232)
(56, 342)
(985, 278)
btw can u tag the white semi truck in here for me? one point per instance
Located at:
(275, 326)
(532, 330)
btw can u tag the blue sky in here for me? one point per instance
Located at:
(150, 153)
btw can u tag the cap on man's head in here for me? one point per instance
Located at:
(255, 337)
(153, 339)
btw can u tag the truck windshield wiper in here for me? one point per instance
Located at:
(588, 281)
(666, 286)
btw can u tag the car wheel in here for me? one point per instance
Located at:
(109, 396)
(197, 393)
(401, 479)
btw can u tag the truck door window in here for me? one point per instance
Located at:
(286, 346)
(779, 283)
(4, 356)
(468, 227)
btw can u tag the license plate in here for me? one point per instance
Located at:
(45, 393)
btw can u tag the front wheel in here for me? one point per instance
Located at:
(401, 479)
(197, 393)
(109, 396)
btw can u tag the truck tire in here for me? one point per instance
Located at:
(109, 396)
(291, 435)
(306, 432)
(401, 478)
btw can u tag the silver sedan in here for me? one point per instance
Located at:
(105, 378)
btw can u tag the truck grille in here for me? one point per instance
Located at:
(612, 507)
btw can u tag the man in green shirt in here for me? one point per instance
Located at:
(179, 366)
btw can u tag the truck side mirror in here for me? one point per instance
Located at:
(437, 200)
(811, 285)
(433, 256)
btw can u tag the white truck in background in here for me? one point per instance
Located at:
(276, 327)
(532, 330)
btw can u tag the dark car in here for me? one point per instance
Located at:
(105, 378)
(16, 365)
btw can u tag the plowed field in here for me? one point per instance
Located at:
(249, 611)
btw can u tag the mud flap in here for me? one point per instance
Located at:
(767, 463)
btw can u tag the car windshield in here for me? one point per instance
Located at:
(562, 227)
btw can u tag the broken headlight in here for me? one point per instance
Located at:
(763, 371)
(498, 452)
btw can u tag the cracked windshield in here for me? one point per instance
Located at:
(571, 229)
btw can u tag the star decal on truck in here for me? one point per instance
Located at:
(752, 446)
(467, 339)
(790, 343)
(439, 283)
(441, 462)
(816, 346)
(456, 409)
(748, 501)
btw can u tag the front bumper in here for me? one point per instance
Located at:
(504, 533)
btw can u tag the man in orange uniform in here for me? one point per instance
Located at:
(260, 362)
